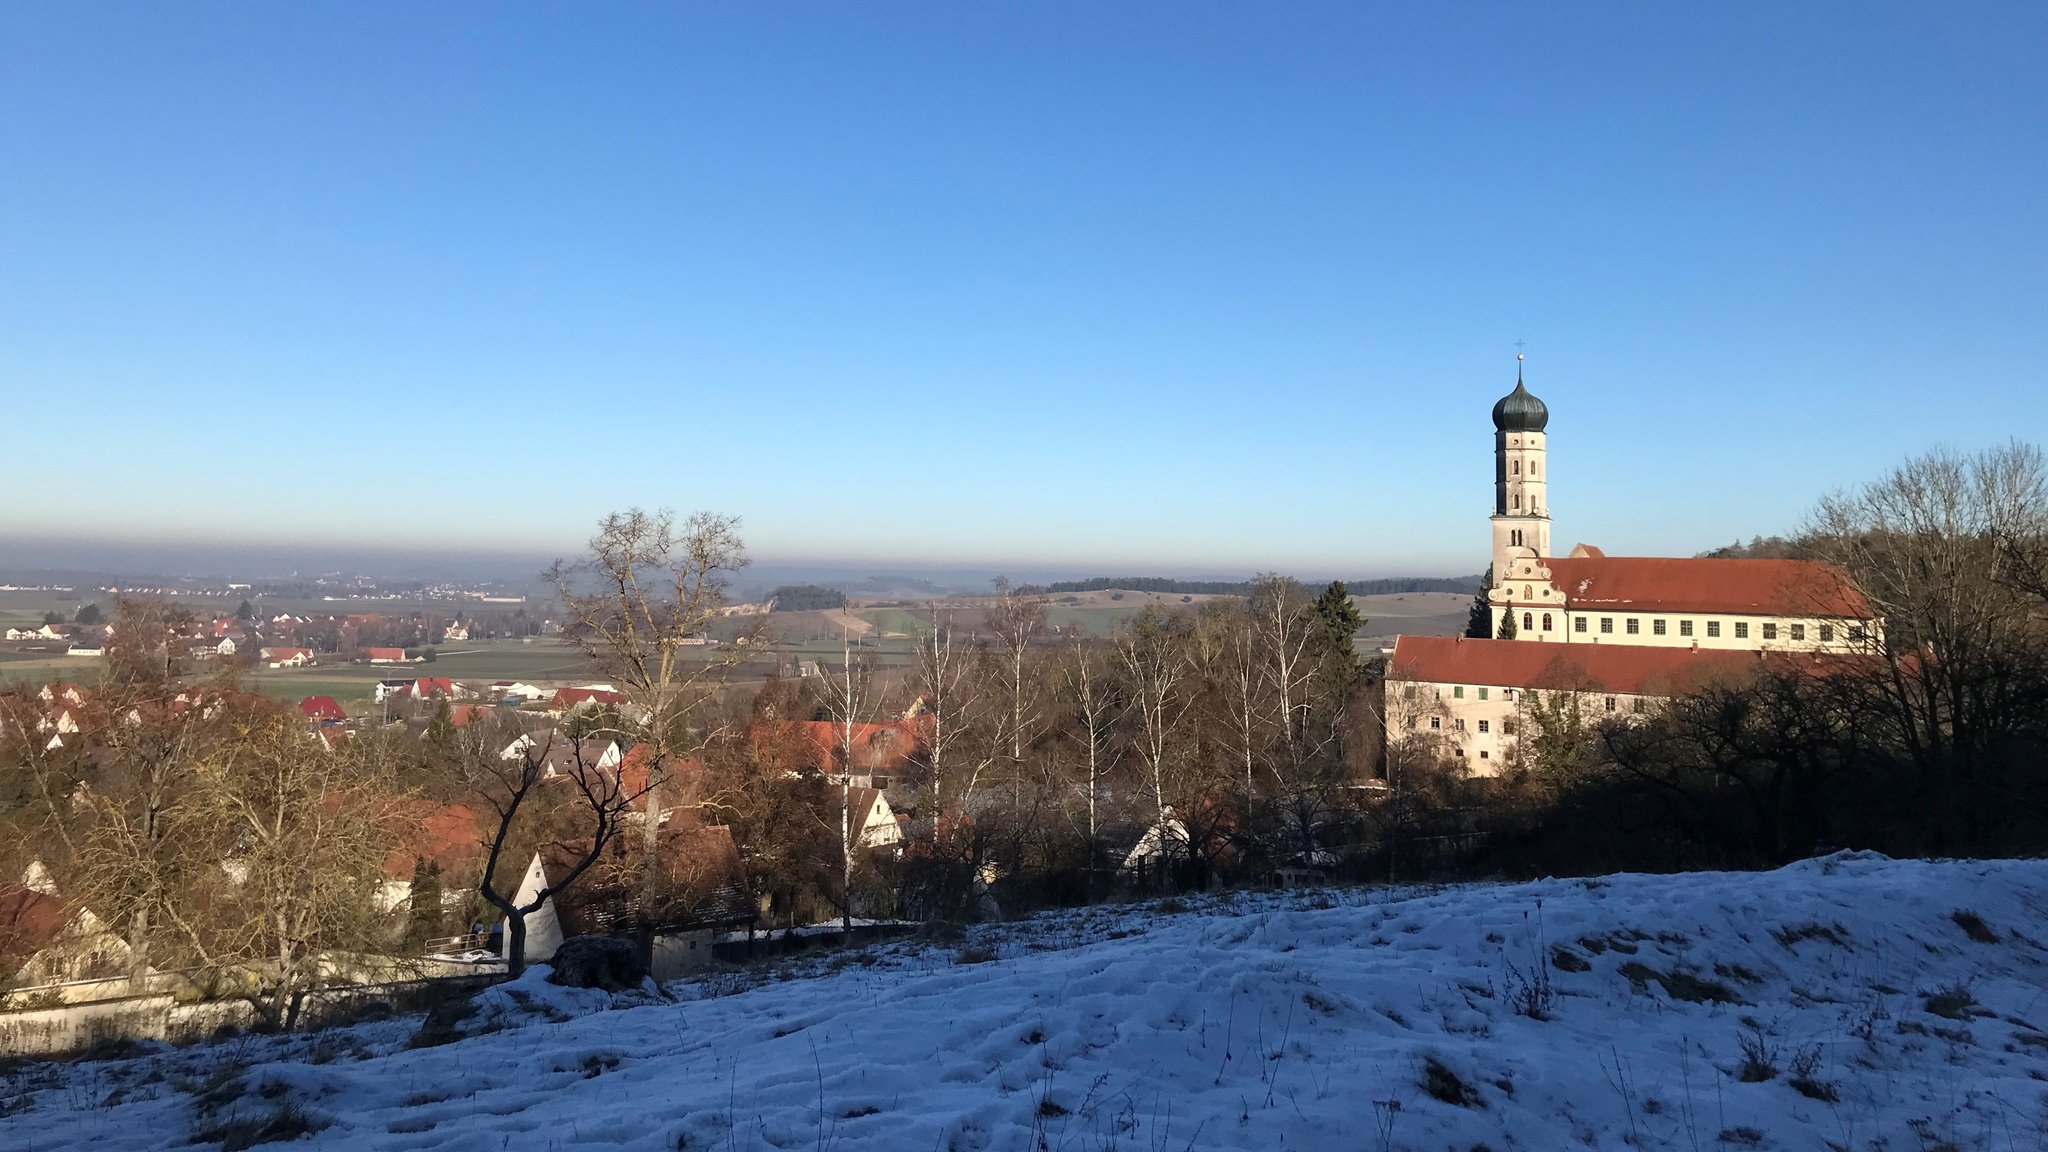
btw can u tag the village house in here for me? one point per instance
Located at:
(285, 657)
(322, 710)
(45, 632)
(384, 655)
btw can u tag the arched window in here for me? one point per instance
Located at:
(1546, 621)
(1518, 499)
(1534, 468)
(1527, 623)
(1515, 466)
(1515, 537)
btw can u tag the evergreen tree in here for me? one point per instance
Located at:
(1507, 625)
(245, 612)
(1479, 625)
(1337, 621)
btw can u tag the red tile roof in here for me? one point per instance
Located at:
(1742, 587)
(443, 834)
(883, 748)
(427, 687)
(29, 921)
(322, 708)
(1636, 670)
(384, 653)
(572, 697)
(469, 714)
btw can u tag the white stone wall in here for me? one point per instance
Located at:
(1479, 723)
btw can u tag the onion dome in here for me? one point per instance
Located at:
(1519, 411)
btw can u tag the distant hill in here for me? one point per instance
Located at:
(1241, 587)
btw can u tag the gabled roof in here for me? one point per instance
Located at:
(1740, 587)
(1631, 669)
(29, 921)
(877, 748)
(384, 653)
(322, 708)
(442, 834)
(576, 697)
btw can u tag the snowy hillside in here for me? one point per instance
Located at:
(1852, 1002)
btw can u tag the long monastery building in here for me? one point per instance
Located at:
(1621, 631)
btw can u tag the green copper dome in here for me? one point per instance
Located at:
(1519, 411)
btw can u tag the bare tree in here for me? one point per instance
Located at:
(850, 696)
(512, 786)
(1154, 655)
(301, 835)
(1940, 547)
(1014, 624)
(641, 604)
(947, 681)
(1097, 704)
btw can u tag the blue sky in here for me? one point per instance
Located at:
(1171, 287)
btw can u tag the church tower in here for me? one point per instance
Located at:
(1521, 504)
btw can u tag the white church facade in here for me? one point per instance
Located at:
(1618, 632)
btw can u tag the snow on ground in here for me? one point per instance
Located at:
(1852, 1002)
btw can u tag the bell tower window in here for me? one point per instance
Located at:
(1515, 467)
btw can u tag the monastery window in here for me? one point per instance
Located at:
(1685, 627)
(1515, 467)
(1770, 631)
(1535, 467)
(1482, 693)
(1656, 627)
(1458, 692)
(1607, 625)
(1535, 696)
(1742, 629)
(1482, 725)
(1546, 621)
(1507, 726)
(1635, 626)
(1459, 723)
(1435, 722)
(1579, 625)
(1507, 693)
(1855, 631)
(1518, 499)
(1636, 705)
(1610, 703)
(1714, 628)
(1799, 631)
(1482, 754)
(1528, 622)
(1408, 692)
(1827, 633)
(1461, 751)
(1411, 721)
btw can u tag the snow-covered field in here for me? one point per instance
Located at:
(1852, 1002)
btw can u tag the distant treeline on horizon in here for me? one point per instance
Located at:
(1243, 587)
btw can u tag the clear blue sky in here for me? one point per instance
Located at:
(1177, 287)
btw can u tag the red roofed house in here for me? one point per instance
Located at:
(286, 657)
(1589, 597)
(428, 687)
(578, 699)
(384, 655)
(322, 710)
(881, 752)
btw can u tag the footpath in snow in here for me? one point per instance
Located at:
(1852, 1003)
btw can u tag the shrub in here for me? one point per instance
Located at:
(1973, 926)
